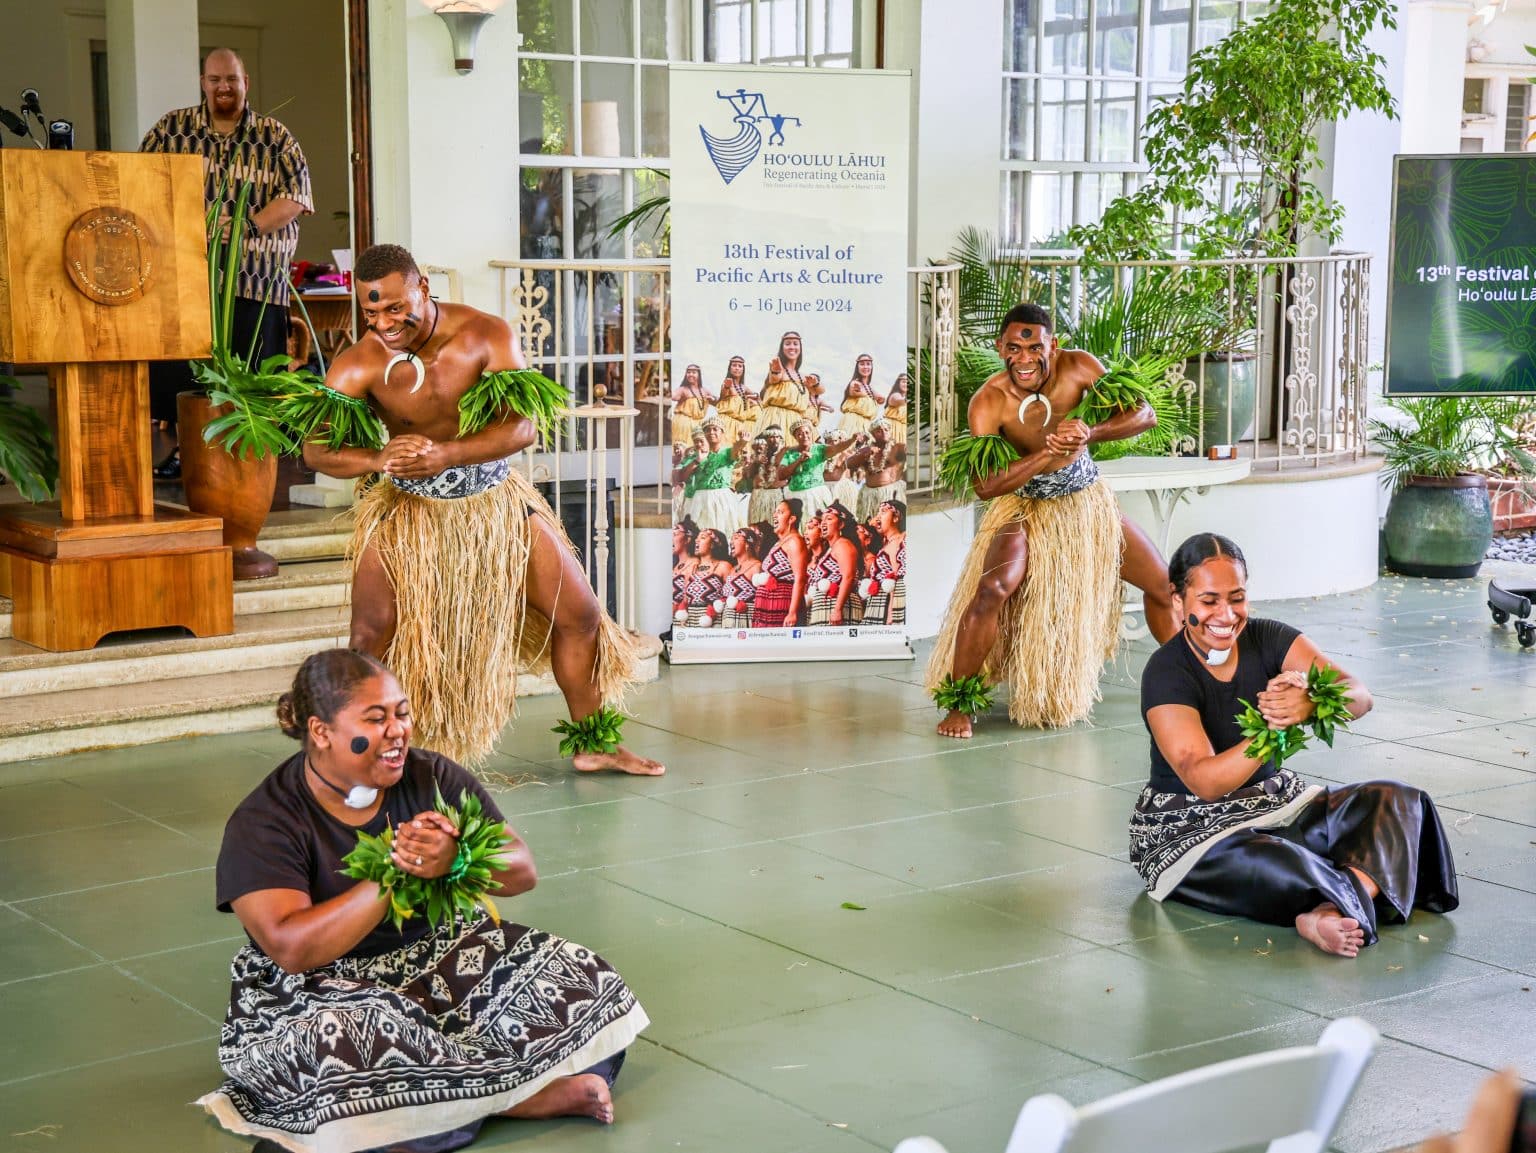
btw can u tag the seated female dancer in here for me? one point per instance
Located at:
(704, 593)
(1216, 829)
(344, 1032)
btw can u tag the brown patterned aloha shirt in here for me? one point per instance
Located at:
(260, 150)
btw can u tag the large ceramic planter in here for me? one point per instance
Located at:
(1228, 395)
(1439, 526)
(237, 490)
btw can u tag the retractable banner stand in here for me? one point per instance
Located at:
(789, 307)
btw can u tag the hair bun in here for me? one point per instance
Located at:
(286, 718)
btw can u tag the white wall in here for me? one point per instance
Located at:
(1340, 550)
(954, 51)
(445, 145)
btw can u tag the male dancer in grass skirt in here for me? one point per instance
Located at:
(461, 574)
(1038, 601)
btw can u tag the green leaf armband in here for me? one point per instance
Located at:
(968, 695)
(971, 458)
(521, 392)
(467, 884)
(1330, 713)
(599, 732)
(317, 413)
(1127, 384)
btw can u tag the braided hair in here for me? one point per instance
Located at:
(322, 688)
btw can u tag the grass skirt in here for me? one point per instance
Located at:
(762, 502)
(464, 627)
(870, 499)
(1060, 626)
(376, 1051)
(718, 508)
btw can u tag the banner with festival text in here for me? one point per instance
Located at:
(788, 399)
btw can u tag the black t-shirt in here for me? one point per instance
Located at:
(280, 838)
(1176, 675)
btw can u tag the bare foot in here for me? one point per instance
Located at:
(955, 725)
(1331, 931)
(621, 760)
(584, 1095)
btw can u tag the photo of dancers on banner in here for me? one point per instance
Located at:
(790, 506)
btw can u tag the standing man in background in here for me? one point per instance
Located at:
(238, 146)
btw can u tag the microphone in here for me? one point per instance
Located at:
(15, 123)
(61, 136)
(29, 103)
(1209, 656)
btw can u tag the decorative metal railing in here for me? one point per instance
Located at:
(1289, 387)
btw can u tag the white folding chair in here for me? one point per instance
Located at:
(1290, 1099)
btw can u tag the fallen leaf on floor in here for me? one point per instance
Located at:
(796, 965)
(1235, 940)
(838, 1124)
(818, 876)
(1463, 820)
(791, 1066)
(1423, 938)
(1109, 988)
(41, 1131)
(1475, 688)
(1394, 968)
(851, 905)
(1262, 952)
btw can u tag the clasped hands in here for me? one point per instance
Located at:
(426, 845)
(1284, 701)
(413, 456)
(1066, 438)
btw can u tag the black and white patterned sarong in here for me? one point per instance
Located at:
(1074, 477)
(1170, 832)
(458, 481)
(374, 1051)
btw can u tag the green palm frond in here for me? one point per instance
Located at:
(968, 695)
(522, 392)
(314, 412)
(969, 458)
(27, 453)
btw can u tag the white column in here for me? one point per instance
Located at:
(1435, 58)
(955, 54)
(153, 48)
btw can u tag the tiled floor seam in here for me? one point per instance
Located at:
(108, 1060)
(16, 901)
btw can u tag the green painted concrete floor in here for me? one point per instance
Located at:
(1005, 948)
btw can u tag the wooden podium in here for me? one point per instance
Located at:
(103, 267)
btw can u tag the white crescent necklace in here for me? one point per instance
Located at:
(1033, 399)
(409, 356)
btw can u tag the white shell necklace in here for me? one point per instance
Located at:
(409, 356)
(1033, 399)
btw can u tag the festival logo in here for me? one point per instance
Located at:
(731, 155)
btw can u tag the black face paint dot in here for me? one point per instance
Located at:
(413, 320)
(373, 295)
(359, 745)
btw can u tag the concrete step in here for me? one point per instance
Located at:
(261, 640)
(52, 723)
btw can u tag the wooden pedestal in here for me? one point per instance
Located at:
(75, 582)
(111, 253)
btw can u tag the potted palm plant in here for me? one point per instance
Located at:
(234, 431)
(27, 453)
(1440, 521)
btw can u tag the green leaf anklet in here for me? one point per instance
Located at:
(968, 695)
(599, 732)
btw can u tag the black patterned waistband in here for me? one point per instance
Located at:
(459, 481)
(1075, 477)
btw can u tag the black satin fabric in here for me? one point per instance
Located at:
(1387, 830)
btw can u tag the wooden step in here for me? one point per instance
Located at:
(36, 726)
